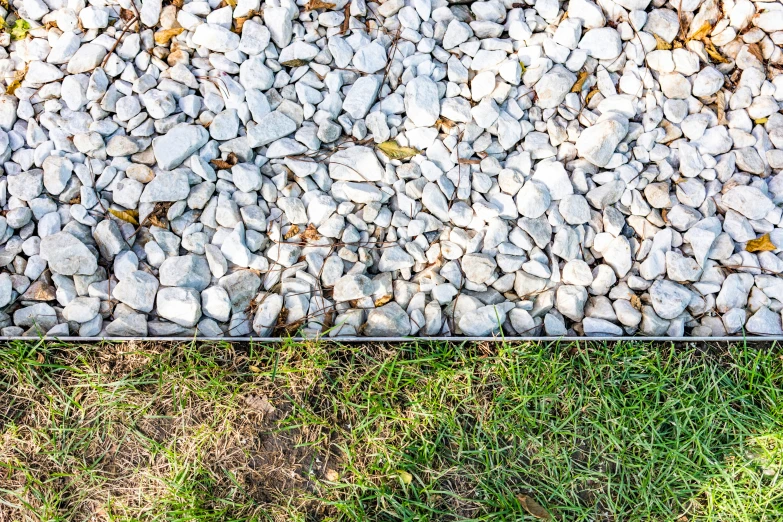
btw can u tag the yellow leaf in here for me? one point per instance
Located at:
(761, 244)
(533, 507)
(702, 32)
(255, 369)
(590, 95)
(394, 151)
(661, 44)
(17, 82)
(19, 30)
(129, 216)
(382, 300)
(292, 231)
(312, 5)
(232, 3)
(406, 477)
(713, 53)
(761, 121)
(163, 36)
(522, 65)
(580, 81)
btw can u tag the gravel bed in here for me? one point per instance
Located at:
(414, 167)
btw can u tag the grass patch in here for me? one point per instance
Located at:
(422, 431)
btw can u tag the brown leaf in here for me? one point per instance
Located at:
(312, 5)
(444, 124)
(260, 404)
(75, 201)
(50, 25)
(129, 216)
(221, 164)
(347, 19)
(761, 244)
(713, 53)
(163, 36)
(294, 63)
(310, 233)
(720, 102)
(580, 81)
(703, 31)
(590, 95)
(636, 302)
(126, 15)
(533, 507)
(292, 231)
(755, 50)
(331, 475)
(395, 151)
(661, 44)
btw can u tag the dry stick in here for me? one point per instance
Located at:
(117, 41)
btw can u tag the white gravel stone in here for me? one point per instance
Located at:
(454, 181)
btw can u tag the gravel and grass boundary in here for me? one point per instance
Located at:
(438, 431)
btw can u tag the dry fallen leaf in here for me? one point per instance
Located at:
(239, 22)
(382, 300)
(533, 507)
(394, 151)
(720, 102)
(590, 95)
(126, 15)
(260, 404)
(444, 124)
(703, 31)
(163, 36)
(17, 82)
(221, 164)
(129, 216)
(312, 5)
(310, 233)
(292, 231)
(346, 19)
(661, 44)
(761, 244)
(331, 475)
(761, 121)
(580, 81)
(636, 302)
(713, 53)
(232, 3)
(51, 24)
(755, 50)
(295, 63)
